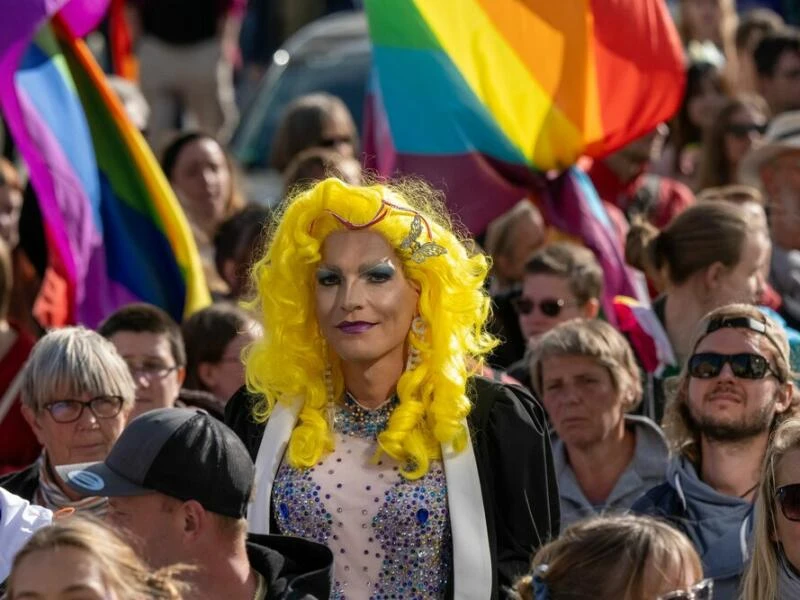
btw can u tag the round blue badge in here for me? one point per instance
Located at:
(87, 480)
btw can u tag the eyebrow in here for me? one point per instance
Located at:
(363, 268)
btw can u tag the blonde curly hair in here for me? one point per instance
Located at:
(290, 362)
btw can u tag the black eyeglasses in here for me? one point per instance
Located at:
(706, 365)
(152, 372)
(550, 307)
(69, 411)
(788, 497)
(701, 591)
(741, 130)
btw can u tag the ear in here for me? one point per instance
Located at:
(713, 276)
(30, 417)
(784, 397)
(194, 521)
(591, 309)
(181, 373)
(228, 273)
(207, 372)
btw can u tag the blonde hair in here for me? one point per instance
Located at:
(682, 435)
(122, 569)
(611, 557)
(597, 340)
(290, 362)
(73, 361)
(761, 577)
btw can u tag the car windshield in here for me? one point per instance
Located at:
(343, 74)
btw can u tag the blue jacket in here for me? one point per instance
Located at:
(719, 526)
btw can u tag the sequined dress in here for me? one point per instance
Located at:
(390, 536)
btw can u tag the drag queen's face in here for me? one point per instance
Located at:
(364, 302)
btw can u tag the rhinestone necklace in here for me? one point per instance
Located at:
(353, 419)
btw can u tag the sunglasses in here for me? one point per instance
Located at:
(706, 365)
(550, 307)
(788, 497)
(334, 141)
(701, 591)
(742, 130)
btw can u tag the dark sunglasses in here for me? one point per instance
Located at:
(550, 307)
(335, 141)
(701, 591)
(741, 130)
(788, 497)
(706, 365)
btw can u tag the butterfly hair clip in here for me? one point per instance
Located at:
(416, 250)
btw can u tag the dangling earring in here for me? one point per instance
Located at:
(414, 357)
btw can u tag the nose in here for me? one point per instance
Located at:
(352, 297)
(87, 420)
(726, 372)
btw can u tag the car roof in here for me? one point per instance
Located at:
(343, 32)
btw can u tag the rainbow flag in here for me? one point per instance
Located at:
(495, 100)
(115, 230)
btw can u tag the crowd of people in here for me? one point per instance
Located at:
(377, 405)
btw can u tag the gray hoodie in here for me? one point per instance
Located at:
(647, 470)
(718, 525)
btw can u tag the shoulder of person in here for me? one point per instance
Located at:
(239, 417)
(660, 501)
(22, 483)
(292, 567)
(498, 406)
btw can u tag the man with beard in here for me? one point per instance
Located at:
(733, 391)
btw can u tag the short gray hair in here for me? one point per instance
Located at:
(70, 362)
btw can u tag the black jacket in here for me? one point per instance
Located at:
(23, 483)
(515, 466)
(293, 568)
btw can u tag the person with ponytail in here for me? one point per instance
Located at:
(711, 255)
(371, 431)
(774, 569)
(79, 556)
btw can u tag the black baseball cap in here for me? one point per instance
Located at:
(179, 452)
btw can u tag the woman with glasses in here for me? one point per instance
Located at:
(215, 340)
(617, 558)
(77, 393)
(562, 281)
(586, 375)
(774, 570)
(740, 123)
(317, 120)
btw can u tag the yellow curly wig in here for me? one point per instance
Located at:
(290, 361)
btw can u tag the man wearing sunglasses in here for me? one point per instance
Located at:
(734, 390)
(562, 281)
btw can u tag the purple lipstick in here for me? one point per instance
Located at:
(355, 327)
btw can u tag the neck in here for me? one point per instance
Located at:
(599, 467)
(68, 492)
(682, 313)
(623, 167)
(223, 572)
(733, 469)
(371, 384)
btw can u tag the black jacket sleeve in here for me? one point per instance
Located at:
(239, 417)
(518, 481)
